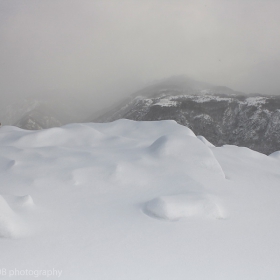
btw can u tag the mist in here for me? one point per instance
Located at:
(99, 51)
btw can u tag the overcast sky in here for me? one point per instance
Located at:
(104, 47)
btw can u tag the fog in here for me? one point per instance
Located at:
(101, 50)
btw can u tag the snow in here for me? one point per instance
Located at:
(165, 102)
(136, 200)
(275, 155)
(204, 116)
(206, 91)
(255, 101)
(175, 207)
(207, 98)
(205, 141)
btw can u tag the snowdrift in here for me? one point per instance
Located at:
(136, 200)
(176, 207)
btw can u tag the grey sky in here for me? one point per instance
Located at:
(101, 48)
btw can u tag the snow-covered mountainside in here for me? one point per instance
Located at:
(39, 117)
(35, 113)
(220, 114)
(135, 200)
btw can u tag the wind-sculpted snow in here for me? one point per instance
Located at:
(190, 151)
(180, 206)
(71, 135)
(95, 200)
(8, 224)
(12, 224)
(275, 155)
(205, 141)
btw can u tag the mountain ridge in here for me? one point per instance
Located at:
(220, 114)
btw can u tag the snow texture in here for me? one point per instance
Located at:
(137, 200)
(205, 141)
(176, 207)
(275, 155)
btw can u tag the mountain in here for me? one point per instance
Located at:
(218, 113)
(40, 117)
(43, 112)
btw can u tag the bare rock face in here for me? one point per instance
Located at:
(221, 115)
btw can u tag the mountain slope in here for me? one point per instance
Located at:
(42, 112)
(220, 114)
(38, 118)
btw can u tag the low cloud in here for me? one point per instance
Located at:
(100, 50)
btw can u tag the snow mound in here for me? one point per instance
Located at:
(169, 145)
(20, 202)
(142, 130)
(91, 134)
(275, 155)
(68, 136)
(205, 141)
(88, 181)
(192, 151)
(6, 164)
(175, 207)
(10, 225)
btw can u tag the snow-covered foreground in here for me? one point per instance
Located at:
(136, 200)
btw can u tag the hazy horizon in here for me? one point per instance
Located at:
(100, 50)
